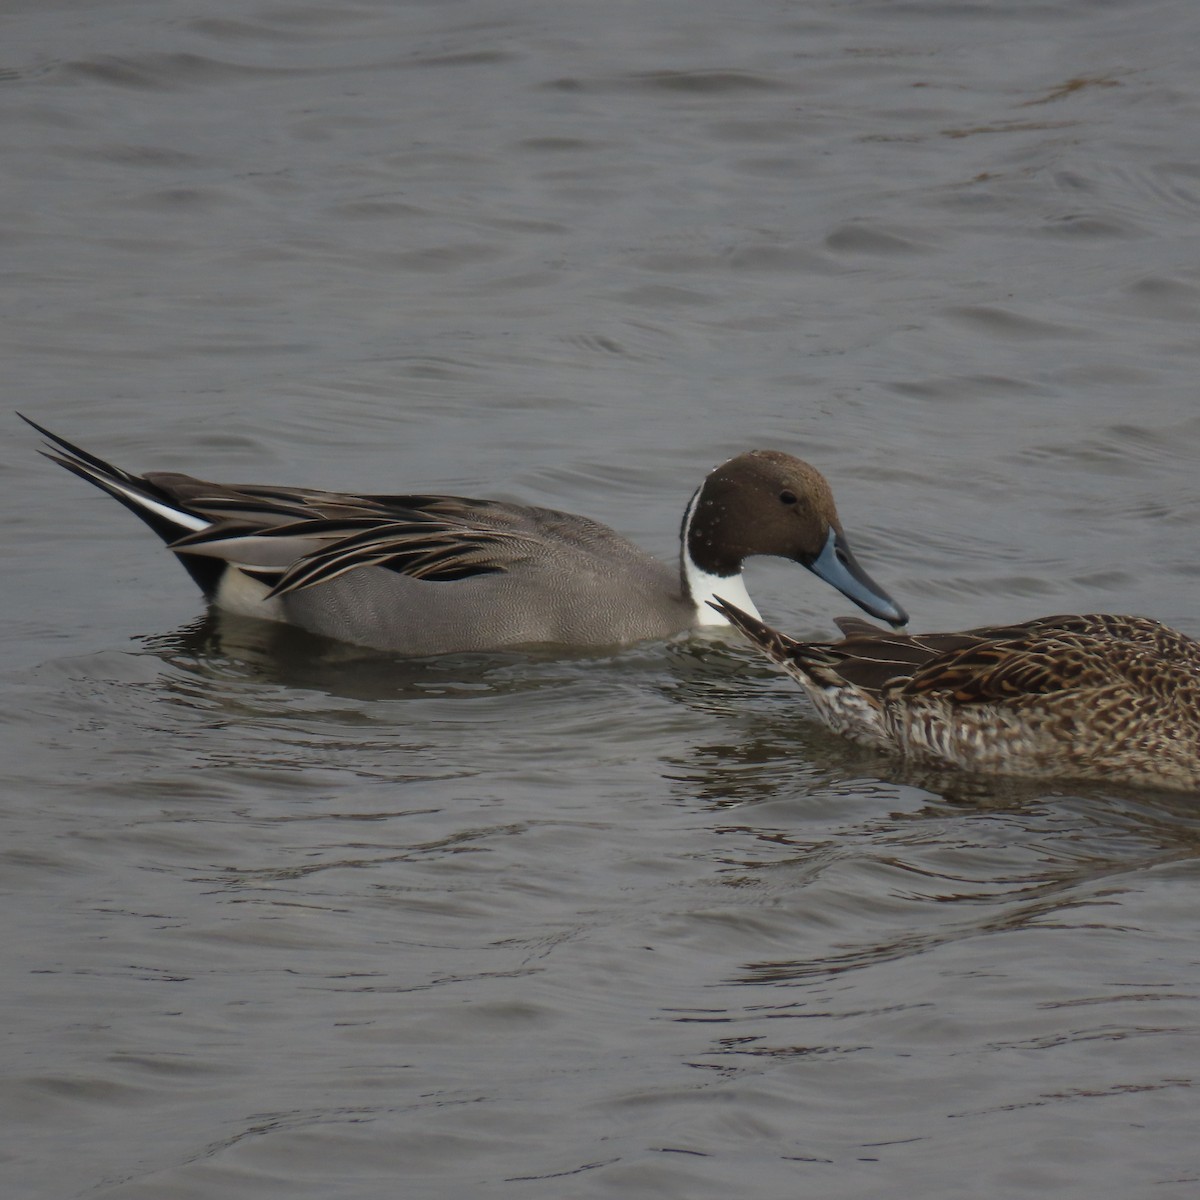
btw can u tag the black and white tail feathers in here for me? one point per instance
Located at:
(153, 504)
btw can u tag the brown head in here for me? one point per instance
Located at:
(770, 503)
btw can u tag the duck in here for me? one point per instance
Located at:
(1098, 697)
(421, 575)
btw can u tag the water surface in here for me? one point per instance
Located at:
(289, 921)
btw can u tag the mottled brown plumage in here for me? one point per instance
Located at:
(1103, 697)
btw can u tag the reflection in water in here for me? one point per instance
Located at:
(229, 648)
(920, 933)
(268, 651)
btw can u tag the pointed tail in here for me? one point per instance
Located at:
(153, 504)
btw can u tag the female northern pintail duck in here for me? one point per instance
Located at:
(425, 575)
(1101, 697)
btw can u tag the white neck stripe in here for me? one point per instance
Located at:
(703, 586)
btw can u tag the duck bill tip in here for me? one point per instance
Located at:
(838, 567)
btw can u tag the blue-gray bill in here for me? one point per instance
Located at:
(837, 566)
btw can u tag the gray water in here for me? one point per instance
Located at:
(284, 921)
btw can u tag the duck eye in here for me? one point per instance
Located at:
(787, 497)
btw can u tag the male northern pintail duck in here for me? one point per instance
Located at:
(423, 575)
(1100, 697)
